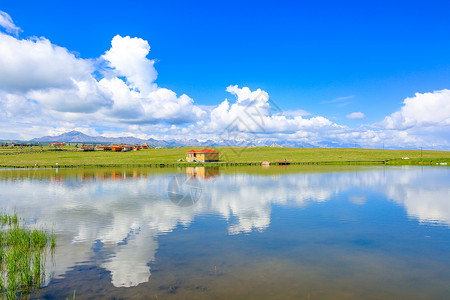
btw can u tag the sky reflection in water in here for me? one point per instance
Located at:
(116, 219)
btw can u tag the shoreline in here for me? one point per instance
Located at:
(388, 162)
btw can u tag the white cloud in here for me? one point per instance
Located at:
(252, 113)
(138, 99)
(7, 23)
(422, 110)
(82, 97)
(356, 115)
(38, 76)
(128, 58)
(36, 64)
(160, 105)
(13, 105)
(423, 120)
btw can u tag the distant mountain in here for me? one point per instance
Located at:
(154, 142)
(79, 137)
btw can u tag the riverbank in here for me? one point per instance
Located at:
(229, 156)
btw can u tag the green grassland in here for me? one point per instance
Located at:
(69, 156)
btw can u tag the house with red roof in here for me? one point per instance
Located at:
(204, 155)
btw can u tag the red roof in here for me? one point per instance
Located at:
(209, 151)
(203, 151)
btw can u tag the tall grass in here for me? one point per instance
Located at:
(23, 254)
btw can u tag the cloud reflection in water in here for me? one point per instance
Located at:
(127, 212)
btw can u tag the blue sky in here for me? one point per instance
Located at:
(327, 58)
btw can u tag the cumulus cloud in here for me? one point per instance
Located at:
(13, 105)
(137, 98)
(160, 105)
(422, 110)
(82, 97)
(38, 76)
(423, 120)
(128, 58)
(36, 64)
(355, 115)
(7, 23)
(252, 113)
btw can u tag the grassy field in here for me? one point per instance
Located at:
(69, 156)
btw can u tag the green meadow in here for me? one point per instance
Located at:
(70, 156)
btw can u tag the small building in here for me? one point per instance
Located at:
(103, 148)
(204, 155)
(86, 148)
(116, 148)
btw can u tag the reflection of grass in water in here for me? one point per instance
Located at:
(22, 258)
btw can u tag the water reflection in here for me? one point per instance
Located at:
(425, 197)
(115, 217)
(202, 172)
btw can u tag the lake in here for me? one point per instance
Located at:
(319, 232)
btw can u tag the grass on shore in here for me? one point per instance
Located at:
(22, 258)
(227, 154)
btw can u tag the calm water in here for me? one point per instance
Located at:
(253, 233)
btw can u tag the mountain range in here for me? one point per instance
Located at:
(79, 137)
